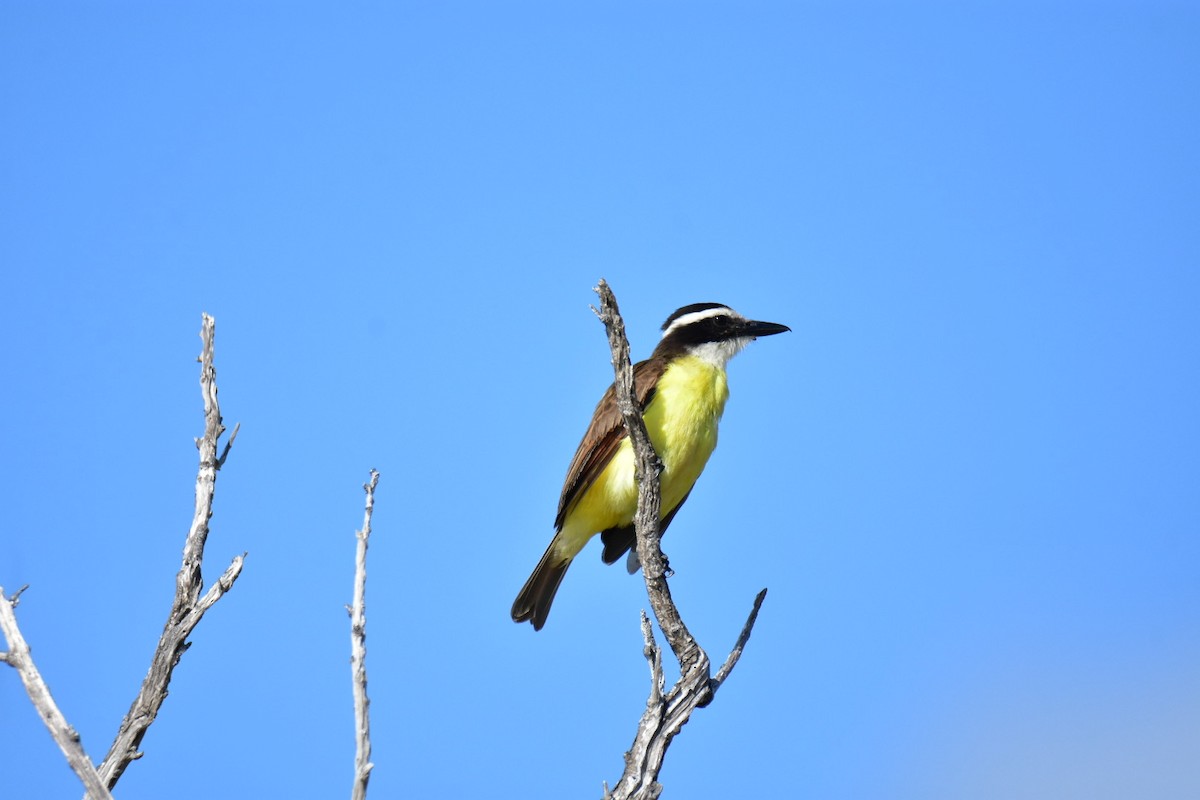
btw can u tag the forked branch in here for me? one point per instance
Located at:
(665, 715)
(189, 605)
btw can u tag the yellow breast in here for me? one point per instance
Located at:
(682, 421)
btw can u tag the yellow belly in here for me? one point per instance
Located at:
(682, 421)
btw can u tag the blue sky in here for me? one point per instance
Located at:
(968, 477)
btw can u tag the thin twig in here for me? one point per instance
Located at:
(65, 736)
(740, 644)
(653, 655)
(228, 444)
(188, 606)
(358, 651)
(665, 715)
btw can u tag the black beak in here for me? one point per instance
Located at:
(756, 329)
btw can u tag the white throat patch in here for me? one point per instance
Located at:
(719, 353)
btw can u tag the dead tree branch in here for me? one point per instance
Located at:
(358, 651)
(65, 736)
(665, 715)
(189, 605)
(648, 470)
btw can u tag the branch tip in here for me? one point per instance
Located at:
(228, 444)
(358, 650)
(188, 605)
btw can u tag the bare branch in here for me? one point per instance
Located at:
(649, 469)
(358, 651)
(665, 715)
(653, 655)
(65, 736)
(188, 606)
(228, 444)
(740, 644)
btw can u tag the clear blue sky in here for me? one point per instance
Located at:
(970, 477)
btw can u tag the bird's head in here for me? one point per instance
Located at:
(711, 331)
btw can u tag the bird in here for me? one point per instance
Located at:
(682, 390)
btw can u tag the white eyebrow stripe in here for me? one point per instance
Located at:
(696, 316)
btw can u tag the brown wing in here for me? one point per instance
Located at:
(604, 435)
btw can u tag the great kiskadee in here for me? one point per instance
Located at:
(682, 391)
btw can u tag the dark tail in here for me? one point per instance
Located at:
(533, 601)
